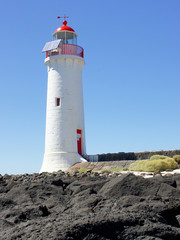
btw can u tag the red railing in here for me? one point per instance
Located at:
(66, 49)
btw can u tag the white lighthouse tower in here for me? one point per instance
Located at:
(65, 135)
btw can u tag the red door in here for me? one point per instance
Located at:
(79, 146)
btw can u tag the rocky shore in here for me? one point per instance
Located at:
(60, 206)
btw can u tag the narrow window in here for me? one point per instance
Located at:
(57, 101)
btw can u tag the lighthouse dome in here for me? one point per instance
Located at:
(66, 34)
(64, 28)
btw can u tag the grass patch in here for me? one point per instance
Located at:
(158, 157)
(177, 158)
(153, 165)
(83, 170)
(113, 169)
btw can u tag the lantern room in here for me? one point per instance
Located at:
(64, 43)
(66, 34)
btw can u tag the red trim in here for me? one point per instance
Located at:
(79, 131)
(79, 142)
(64, 28)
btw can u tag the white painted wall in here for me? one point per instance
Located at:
(62, 122)
(92, 158)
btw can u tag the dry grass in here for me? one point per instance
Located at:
(154, 165)
(177, 158)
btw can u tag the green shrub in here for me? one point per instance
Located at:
(177, 158)
(157, 157)
(138, 165)
(153, 165)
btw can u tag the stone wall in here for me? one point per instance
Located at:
(135, 155)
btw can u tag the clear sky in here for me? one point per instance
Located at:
(131, 79)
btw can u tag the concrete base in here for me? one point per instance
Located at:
(54, 162)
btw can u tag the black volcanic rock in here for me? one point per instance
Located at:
(88, 207)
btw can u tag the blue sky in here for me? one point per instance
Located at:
(131, 78)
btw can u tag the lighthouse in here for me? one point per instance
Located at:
(65, 133)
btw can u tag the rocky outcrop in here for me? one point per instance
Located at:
(89, 206)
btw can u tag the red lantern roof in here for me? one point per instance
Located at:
(64, 28)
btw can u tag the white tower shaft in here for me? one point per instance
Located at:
(65, 135)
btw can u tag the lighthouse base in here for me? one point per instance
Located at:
(54, 162)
